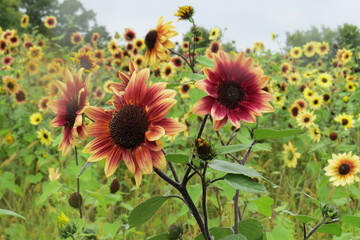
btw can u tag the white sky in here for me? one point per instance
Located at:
(245, 21)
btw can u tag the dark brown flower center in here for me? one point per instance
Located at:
(20, 96)
(150, 39)
(294, 111)
(316, 102)
(185, 88)
(128, 126)
(344, 121)
(215, 48)
(324, 80)
(130, 36)
(326, 97)
(46, 136)
(85, 62)
(230, 93)
(167, 71)
(306, 119)
(50, 21)
(10, 85)
(71, 114)
(344, 168)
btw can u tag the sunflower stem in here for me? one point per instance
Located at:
(204, 188)
(236, 212)
(243, 161)
(315, 228)
(78, 180)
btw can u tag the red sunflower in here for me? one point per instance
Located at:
(124, 77)
(69, 109)
(132, 130)
(235, 91)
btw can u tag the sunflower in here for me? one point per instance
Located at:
(285, 68)
(235, 91)
(157, 42)
(258, 46)
(45, 137)
(35, 53)
(129, 35)
(139, 44)
(315, 102)
(213, 48)
(308, 93)
(347, 120)
(85, 60)
(14, 41)
(53, 68)
(322, 49)
(350, 86)
(99, 55)
(343, 169)
(32, 67)
(132, 131)
(294, 78)
(27, 45)
(53, 176)
(20, 96)
(346, 56)
(95, 37)
(9, 139)
(36, 119)
(69, 109)
(305, 119)
(118, 54)
(290, 155)
(296, 52)
(139, 61)
(324, 80)
(185, 13)
(214, 34)
(42, 105)
(315, 133)
(7, 60)
(294, 110)
(113, 46)
(310, 49)
(278, 99)
(76, 38)
(50, 22)
(10, 84)
(185, 46)
(3, 45)
(24, 21)
(185, 86)
(351, 78)
(167, 71)
(98, 93)
(326, 98)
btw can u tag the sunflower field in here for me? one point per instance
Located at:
(140, 137)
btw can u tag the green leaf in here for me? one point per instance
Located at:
(205, 61)
(251, 229)
(263, 133)
(333, 228)
(144, 211)
(177, 158)
(301, 218)
(231, 148)
(10, 213)
(217, 233)
(244, 183)
(279, 232)
(264, 205)
(234, 237)
(197, 77)
(86, 166)
(34, 178)
(355, 221)
(57, 140)
(164, 236)
(235, 168)
(49, 189)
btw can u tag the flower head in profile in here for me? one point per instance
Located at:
(185, 13)
(69, 109)
(234, 91)
(157, 42)
(343, 169)
(290, 155)
(54, 174)
(131, 131)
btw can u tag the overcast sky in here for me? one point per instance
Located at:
(245, 21)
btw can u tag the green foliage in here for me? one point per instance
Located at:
(244, 183)
(348, 36)
(10, 17)
(10, 213)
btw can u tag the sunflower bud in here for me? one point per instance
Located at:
(185, 13)
(333, 136)
(175, 232)
(329, 211)
(66, 227)
(204, 149)
(75, 200)
(115, 186)
(345, 99)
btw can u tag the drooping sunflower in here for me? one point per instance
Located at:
(24, 21)
(10, 84)
(184, 13)
(85, 60)
(343, 169)
(45, 137)
(50, 22)
(131, 132)
(324, 80)
(305, 119)
(235, 91)
(36, 118)
(310, 49)
(157, 42)
(76, 38)
(290, 155)
(69, 109)
(347, 120)
(296, 52)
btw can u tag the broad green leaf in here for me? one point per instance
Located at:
(301, 218)
(34, 178)
(263, 133)
(244, 183)
(333, 228)
(355, 221)
(10, 213)
(197, 76)
(264, 205)
(57, 140)
(205, 61)
(235, 168)
(48, 189)
(251, 229)
(234, 237)
(217, 233)
(144, 211)
(164, 236)
(231, 148)
(279, 232)
(85, 167)
(177, 158)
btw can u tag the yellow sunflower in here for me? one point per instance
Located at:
(45, 137)
(214, 34)
(310, 49)
(167, 71)
(85, 60)
(350, 86)
(314, 133)
(139, 43)
(315, 102)
(294, 78)
(278, 100)
(10, 84)
(50, 22)
(324, 80)
(294, 110)
(347, 120)
(290, 155)
(305, 119)
(32, 67)
(35, 53)
(36, 118)
(157, 42)
(113, 46)
(296, 52)
(322, 49)
(343, 169)
(308, 93)
(185, 86)
(346, 56)
(76, 38)
(24, 21)
(185, 13)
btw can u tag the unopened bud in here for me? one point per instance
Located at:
(175, 231)
(204, 149)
